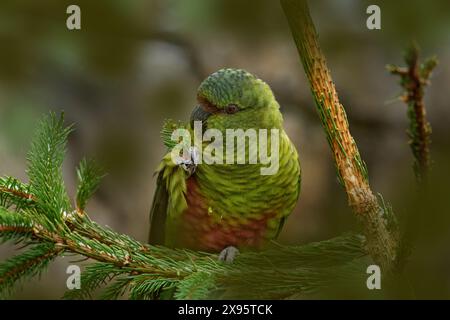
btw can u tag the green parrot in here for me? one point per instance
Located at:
(223, 207)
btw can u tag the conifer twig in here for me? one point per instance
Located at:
(377, 222)
(414, 78)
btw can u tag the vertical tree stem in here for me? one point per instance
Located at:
(414, 79)
(381, 242)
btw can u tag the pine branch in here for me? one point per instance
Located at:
(414, 78)
(382, 242)
(94, 276)
(89, 177)
(14, 226)
(117, 289)
(26, 265)
(45, 161)
(14, 193)
(166, 133)
(146, 270)
(150, 287)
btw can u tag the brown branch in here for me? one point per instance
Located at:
(414, 79)
(381, 241)
(15, 229)
(29, 263)
(17, 193)
(127, 261)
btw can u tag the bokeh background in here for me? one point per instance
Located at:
(136, 63)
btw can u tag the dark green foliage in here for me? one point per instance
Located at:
(280, 272)
(117, 289)
(148, 286)
(196, 286)
(26, 265)
(93, 277)
(285, 271)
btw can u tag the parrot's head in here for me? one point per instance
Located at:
(236, 99)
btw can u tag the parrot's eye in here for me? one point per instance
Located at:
(231, 108)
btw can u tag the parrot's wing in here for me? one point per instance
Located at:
(158, 212)
(169, 200)
(299, 185)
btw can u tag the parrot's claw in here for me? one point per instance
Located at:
(228, 254)
(189, 164)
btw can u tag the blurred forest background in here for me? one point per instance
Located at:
(136, 63)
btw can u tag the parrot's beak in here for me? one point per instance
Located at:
(199, 114)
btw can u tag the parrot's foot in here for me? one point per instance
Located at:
(228, 254)
(190, 161)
